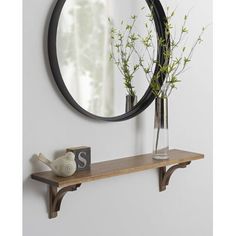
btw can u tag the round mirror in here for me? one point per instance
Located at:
(87, 43)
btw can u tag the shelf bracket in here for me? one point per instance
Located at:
(55, 198)
(165, 175)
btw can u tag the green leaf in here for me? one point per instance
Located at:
(184, 29)
(129, 27)
(186, 60)
(134, 17)
(161, 41)
(200, 40)
(110, 57)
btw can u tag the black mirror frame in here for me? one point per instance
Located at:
(146, 100)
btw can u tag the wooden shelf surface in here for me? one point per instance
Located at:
(117, 167)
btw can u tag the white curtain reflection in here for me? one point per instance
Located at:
(83, 54)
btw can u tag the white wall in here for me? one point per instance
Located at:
(130, 204)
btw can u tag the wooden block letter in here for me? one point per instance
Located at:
(82, 157)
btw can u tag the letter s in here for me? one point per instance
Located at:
(82, 159)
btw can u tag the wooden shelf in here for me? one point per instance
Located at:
(116, 167)
(102, 170)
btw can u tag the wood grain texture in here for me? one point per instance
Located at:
(117, 167)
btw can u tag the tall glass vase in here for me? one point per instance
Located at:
(131, 101)
(161, 134)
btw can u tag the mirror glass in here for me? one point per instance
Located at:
(83, 47)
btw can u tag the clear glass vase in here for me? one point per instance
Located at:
(131, 101)
(161, 134)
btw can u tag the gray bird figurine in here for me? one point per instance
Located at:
(63, 166)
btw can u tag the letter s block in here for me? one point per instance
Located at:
(82, 157)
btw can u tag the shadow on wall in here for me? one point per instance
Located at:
(30, 186)
(139, 123)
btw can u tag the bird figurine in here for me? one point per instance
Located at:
(63, 166)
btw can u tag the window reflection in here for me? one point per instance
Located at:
(83, 53)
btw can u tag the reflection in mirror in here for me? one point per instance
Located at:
(83, 51)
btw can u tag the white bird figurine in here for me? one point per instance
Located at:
(63, 166)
